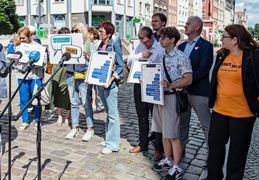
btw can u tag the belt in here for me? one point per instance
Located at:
(168, 93)
(71, 73)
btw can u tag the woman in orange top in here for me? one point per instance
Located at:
(233, 99)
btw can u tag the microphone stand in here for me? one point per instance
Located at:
(37, 95)
(9, 106)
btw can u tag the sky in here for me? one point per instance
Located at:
(252, 10)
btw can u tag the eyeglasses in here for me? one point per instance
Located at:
(101, 32)
(75, 31)
(224, 37)
(163, 37)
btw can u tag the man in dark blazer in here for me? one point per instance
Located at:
(200, 52)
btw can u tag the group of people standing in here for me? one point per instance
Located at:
(78, 88)
(67, 90)
(186, 68)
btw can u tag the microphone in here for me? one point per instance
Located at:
(34, 56)
(65, 57)
(13, 58)
(1, 47)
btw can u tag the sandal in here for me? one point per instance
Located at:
(24, 126)
(59, 122)
(66, 123)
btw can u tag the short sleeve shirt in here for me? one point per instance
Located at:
(177, 64)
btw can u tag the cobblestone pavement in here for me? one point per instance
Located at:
(63, 159)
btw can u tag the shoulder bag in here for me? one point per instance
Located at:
(125, 72)
(181, 97)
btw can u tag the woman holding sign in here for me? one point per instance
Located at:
(109, 93)
(75, 80)
(34, 77)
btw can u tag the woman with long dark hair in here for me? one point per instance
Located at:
(234, 101)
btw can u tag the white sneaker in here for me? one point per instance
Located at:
(106, 151)
(73, 133)
(103, 143)
(88, 135)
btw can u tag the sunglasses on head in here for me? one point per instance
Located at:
(75, 31)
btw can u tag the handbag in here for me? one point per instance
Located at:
(45, 99)
(181, 97)
(79, 75)
(125, 72)
(49, 68)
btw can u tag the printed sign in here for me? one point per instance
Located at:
(135, 71)
(70, 43)
(151, 89)
(100, 67)
(26, 49)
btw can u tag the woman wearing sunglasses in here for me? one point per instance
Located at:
(76, 86)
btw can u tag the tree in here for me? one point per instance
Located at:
(9, 20)
(256, 31)
(250, 30)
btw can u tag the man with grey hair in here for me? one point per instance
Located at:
(200, 51)
(33, 34)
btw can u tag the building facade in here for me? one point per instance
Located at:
(50, 15)
(129, 15)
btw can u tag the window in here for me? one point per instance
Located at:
(130, 3)
(37, 1)
(19, 2)
(102, 2)
(22, 20)
(59, 21)
(97, 19)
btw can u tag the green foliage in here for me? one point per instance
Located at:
(256, 31)
(250, 30)
(9, 20)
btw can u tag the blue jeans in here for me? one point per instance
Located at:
(99, 103)
(74, 88)
(25, 92)
(109, 98)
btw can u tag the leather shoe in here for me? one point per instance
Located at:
(138, 149)
(158, 155)
(152, 137)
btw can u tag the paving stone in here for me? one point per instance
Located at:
(137, 171)
(194, 170)
(190, 176)
(123, 176)
(121, 167)
(59, 153)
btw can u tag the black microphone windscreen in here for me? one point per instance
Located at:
(19, 53)
(67, 55)
(1, 47)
